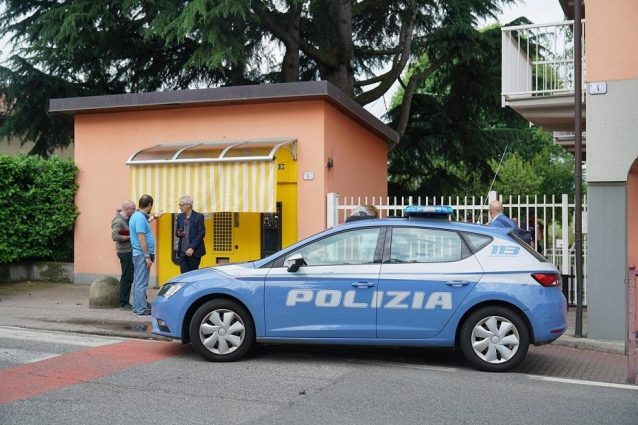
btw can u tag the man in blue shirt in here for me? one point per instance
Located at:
(143, 244)
(499, 219)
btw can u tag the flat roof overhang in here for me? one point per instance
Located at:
(568, 142)
(233, 95)
(553, 113)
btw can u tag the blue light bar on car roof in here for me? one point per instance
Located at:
(432, 211)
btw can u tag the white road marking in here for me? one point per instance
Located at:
(15, 355)
(55, 337)
(581, 382)
(409, 366)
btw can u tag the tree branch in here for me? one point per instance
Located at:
(377, 52)
(369, 81)
(406, 104)
(268, 19)
(399, 62)
(401, 83)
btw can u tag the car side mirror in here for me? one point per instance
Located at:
(294, 262)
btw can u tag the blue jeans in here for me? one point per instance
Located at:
(141, 274)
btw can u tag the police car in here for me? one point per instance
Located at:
(420, 280)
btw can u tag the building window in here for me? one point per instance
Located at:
(223, 231)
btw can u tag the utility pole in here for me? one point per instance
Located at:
(578, 161)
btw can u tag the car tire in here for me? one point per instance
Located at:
(222, 331)
(494, 339)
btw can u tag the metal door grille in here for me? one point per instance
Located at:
(223, 231)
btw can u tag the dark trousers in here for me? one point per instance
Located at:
(187, 263)
(126, 262)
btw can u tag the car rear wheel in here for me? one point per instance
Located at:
(222, 331)
(494, 339)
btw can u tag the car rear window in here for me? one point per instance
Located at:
(527, 247)
(477, 242)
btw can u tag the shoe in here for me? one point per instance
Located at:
(146, 312)
(126, 307)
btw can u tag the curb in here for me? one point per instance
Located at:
(98, 332)
(614, 347)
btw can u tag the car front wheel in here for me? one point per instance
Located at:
(222, 331)
(494, 339)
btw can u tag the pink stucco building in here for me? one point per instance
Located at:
(213, 144)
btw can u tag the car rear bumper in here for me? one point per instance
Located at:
(549, 317)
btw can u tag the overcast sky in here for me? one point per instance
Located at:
(537, 11)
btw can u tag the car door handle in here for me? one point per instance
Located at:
(362, 284)
(457, 283)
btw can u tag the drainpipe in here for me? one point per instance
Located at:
(578, 172)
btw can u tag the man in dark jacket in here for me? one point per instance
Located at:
(120, 234)
(190, 231)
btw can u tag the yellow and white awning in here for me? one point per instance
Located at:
(235, 176)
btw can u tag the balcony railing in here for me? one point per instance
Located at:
(538, 60)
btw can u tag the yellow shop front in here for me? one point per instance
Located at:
(246, 189)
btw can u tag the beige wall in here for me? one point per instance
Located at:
(104, 141)
(12, 146)
(612, 131)
(611, 32)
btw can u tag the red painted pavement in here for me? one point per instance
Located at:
(83, 366)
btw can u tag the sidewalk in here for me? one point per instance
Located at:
(65, 307)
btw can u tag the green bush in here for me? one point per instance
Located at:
(37, 208)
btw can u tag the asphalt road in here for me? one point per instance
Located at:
(62, 378)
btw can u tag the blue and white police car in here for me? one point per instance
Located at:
(420, 280)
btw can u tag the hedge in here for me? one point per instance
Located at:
(37, 208)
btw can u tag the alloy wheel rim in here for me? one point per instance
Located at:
(495, 339)
(222, 331)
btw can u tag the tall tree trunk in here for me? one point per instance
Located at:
(336, 24)
(290, 63)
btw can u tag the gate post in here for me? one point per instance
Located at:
(332, 212)
(565, 267)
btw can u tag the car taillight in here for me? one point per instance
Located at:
(547, 279)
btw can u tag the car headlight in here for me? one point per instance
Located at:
(170, 289)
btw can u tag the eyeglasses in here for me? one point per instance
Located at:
(182, 205)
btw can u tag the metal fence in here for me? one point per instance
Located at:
(544, 216)
(538, 60)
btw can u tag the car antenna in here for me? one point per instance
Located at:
(498, 167)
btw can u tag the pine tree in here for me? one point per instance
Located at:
(88, 47)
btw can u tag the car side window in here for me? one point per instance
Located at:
(421, 245)
(350, 247)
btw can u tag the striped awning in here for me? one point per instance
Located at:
(220, 177)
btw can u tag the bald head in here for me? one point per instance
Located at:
(128, 208)
(496, 208)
